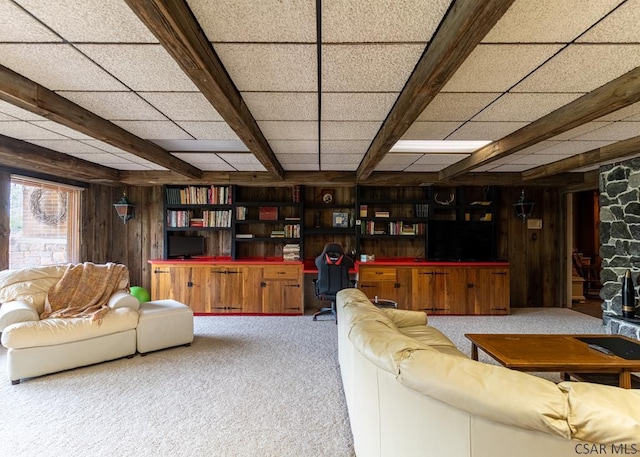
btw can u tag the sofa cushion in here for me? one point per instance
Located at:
(603, 414)
(29, 285)
(492, 392)
(50, 332)
(406, 318)
(16, 311)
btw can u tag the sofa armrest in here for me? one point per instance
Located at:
(122, 299)
(406, 318)
(16, 311)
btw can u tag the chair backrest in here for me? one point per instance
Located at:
(333, 271)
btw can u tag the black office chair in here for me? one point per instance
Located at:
(333, 276)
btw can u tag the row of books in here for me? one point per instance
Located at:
(199, 195)
(290, 231)
(291, 252)
(392, 228)
(177, 219)
(421, 210)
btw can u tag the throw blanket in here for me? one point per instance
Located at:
(84, 291)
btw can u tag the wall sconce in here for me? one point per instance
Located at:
(124, 208)
(523, 208)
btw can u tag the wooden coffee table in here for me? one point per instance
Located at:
(566, 354)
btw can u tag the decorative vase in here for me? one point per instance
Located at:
(628, 296)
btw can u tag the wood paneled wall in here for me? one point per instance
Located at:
(5, 212)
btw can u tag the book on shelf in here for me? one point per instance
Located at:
(277, 234)
(291, 252)
(244, 235)
(198, 195)
(364, 210)
(382, 213)
(241, 213)
(268, 213)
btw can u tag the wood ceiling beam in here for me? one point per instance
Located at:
(464, 26)
(618, 150)
(619, 93)
(31, 96)
(174, 25)
(20, 154)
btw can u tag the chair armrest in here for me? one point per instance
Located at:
(122, 299)
(13, 312)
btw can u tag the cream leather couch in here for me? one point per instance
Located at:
(411, 392)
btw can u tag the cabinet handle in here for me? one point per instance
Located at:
(189, 284)
(470, 285)
(292, 285)
(379, 272)
(396, 285)
(263, 284)
(362, 286)
(160, 271)
(281, 272)
(431, 273)
(503, 273)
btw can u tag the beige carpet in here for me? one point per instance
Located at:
(248, 386)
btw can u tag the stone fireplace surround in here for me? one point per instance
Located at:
(619, 240)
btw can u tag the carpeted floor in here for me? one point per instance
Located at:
(248, 386)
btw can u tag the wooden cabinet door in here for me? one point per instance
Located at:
(491, 294)
(459, 290)
(429, 290)
(282, 289)
(403, 287)
(160, 282)
(226, 290)
(378, 281)
(188, 285)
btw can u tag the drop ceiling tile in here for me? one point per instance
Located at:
(251, 21)
(289, 130)
(282, 106)
(106, 147)
(204, 161)
(485, 130)
(627, 113)
(340, 162)
(430, 130)
(68, 146)
(574, 147)
(613, 132)
(293, 147)
(397, 162)
(61, 129)
(209, 130)
(57, 67)
(538, 147)
(154, 130)
(101, 158)
(298, 159)
(381, 20)
(580, 130)
(344, 147)
(440, 159)
(270, 67)
(536, 159)
(26, 131)
(496, 68)
(582, 68)
(122, 106)
(301, 167)
(202, 145)
(619, 27)
(135, 167)
(90, 20)
(182, 106)
(547, 21)
(142, 67)
(139, 160)
(242, 162)
(344, 130)
(18, 26)
(356, 106)
(18, 113)
(6, 117)
(368, 67)
(524, 107)
(456, 106)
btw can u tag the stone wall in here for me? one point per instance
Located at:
(619, 230)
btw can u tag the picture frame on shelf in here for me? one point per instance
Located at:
(326, 196)
(341, 220)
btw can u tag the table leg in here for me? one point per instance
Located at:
(625, 379)
(474, 351)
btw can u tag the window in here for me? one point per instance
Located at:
(45, 223)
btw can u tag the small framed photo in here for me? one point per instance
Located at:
(326, 196)
(341, 219)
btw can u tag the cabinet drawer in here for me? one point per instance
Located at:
(377, 274)
(280, 272)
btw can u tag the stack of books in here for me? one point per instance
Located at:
(291, 252)
(277, 234)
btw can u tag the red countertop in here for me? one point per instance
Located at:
(223, 260)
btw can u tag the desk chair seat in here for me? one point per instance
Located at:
(333, 276)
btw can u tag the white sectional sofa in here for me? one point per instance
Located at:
(411, 392)
(41, 346)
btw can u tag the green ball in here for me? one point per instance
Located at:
(140, 293)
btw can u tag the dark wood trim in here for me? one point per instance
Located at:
(609, 152)
(17, 154)
(591, 181)
(31, 96)
(5, 223)
(174, 25)
(606, 99)
(464, 26)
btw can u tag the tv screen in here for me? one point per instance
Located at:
(185, 246)
(461, 241)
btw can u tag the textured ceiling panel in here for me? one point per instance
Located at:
(368, 68)
(454, 106)
(282, 106)
(580, 130)
(294, 147)
(106, 147)
(18, 113)
(573, 147)
(61, 129)
(26, 131)
(124, 106)
(270, 67)
(344, 147)
(537, 160)
(90, 21)
(56, 67)
(303, 159)
(68, 146)
(337, 130)
(145, 67)
(524, 107)
(440, 159)
(208, 130)
(397, 162)
(289, 130)
(204, 161)
(621, 26)
(430, 130)
(202, 145)
(373, 21)
(340, 162)
(356, 106)
(242, 162)
(511, 168)
(293, 21)
(154, 130)
(628, 114)
(582, 68)
(182, 106)
(485, 130)
(537, 22)
(6, 117)
(17, 26)
(496, 68)
(615, 132)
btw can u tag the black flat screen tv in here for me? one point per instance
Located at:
(185, 247)
(459, 241)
